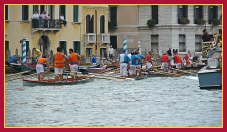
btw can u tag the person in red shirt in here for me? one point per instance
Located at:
(186, 58)
(165, 62)
(148, 60)
(177, 60)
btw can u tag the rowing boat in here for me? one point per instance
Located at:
(68, 81)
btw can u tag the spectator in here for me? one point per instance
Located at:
(62, 20)
(35, 19)
(111, 52)
(169, 52)
(205, 36)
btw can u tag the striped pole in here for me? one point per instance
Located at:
(24, 50)
(125, 45)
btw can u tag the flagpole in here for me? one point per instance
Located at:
(125, 44)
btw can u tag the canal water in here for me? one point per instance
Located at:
(157, 101)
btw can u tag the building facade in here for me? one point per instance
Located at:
(170, 26)
(86, 29)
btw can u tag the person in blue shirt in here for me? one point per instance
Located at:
(134, 61)
(93, 60)
(124, 64)
(139, 63)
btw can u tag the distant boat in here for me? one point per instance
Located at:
(210, 76)
(83, 68)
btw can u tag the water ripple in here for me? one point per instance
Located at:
(159, 101)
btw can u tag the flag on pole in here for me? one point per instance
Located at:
(125, 44)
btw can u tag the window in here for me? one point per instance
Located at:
(198, 13)
(35, 8)
(113, 41)
(154, 12)
(182, 11)
(113, 15)
(51, 11)
(75, 13)
(154, 42)
(6, 12)
(183, 14)
(198, 43)
(76, 47)
(89, 24)
(62, 11)
(88, 52)
(62, 44)
(212, 13)
(102, 24)
(7, 51)
(182, 43)
(42, 8)
(25, 12)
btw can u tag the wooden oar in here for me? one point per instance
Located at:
(20, 73)
(183, 71)
(164, 73)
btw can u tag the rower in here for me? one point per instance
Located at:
(40, 67)
(165, 62)
(148, 60)
(37, 53)
(60, 60)
(124, 64)
(132, 69)
(177, 60)
(140, 62)
(73, 62)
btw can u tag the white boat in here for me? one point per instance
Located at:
(210, 76)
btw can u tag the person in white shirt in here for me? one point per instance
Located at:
(62, 20)
(35, 19)
(111, 52)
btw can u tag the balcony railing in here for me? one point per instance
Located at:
(90, 38)
(104, 38)
(46, 24)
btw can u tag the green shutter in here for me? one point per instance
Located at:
(75, 13)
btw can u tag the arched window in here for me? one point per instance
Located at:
(102, 24)
(89, 24)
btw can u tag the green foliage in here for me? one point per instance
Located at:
(183, 20)
(151, 23)
(200, 21)
(215, 22)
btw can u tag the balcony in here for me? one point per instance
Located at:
(90, 38)
(104, 38)
(45, 25)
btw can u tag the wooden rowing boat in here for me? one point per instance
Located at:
(47, 82)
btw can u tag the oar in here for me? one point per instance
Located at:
(164, 73)
(20, 73)
(183, 71)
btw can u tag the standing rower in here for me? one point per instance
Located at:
(165, 62)
(40, 67)
(73, 62)
(60, 60)
(124, 64)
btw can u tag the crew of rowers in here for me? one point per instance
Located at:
(60, 61)
(132, 63)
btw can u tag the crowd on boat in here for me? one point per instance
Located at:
(130, 65)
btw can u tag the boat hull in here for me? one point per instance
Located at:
(27, 82)
(209, 79)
